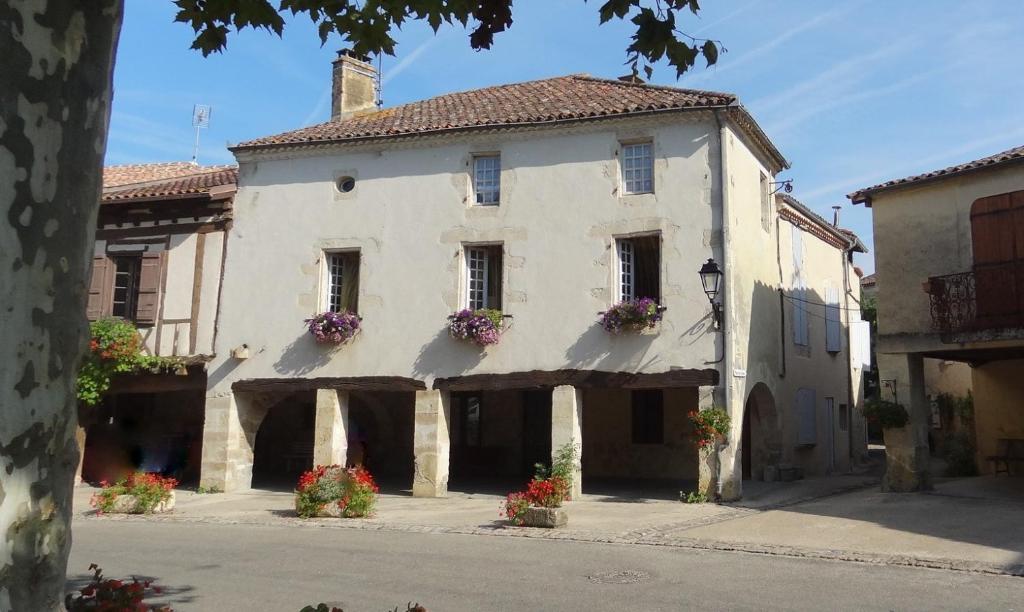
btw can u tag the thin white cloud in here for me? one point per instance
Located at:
(892, 168)
(811, 109)
(726, 18)
(840, 76)
(726, 63)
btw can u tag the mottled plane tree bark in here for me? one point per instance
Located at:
(55, 92)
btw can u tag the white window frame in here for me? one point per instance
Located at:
(625, 269)
(477, 259)
(637, 167)
(331, 259)
(487, 179)
(801, 324)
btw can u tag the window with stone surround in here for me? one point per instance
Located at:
(342, 271)
(638, 268)
(483, 276)
(637, 167)
(487, 179)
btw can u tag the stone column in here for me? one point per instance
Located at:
(431, 444)
(567, 428)
(229, 436)
(707, 457)
(906, 449)
(330, 436)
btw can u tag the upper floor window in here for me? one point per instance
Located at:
(483, 277)
(638, 168)
(487, 179)
(343, 281)
(639, 268)
(126, 286)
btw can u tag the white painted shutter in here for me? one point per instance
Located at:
(800, 331)
(807, 427)
(627, 272)
(861, 330)
(833, 326)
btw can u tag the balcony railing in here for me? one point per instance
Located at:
(983, 299)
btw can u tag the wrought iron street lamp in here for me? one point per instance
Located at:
(711, 279)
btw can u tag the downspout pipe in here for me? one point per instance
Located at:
(727, 263)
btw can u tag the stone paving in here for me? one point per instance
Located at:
(962, 526)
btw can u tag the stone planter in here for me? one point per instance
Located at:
(125, 504)
(545, 517)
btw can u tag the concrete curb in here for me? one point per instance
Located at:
(633, 538)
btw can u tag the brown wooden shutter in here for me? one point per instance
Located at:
(101, 288)
(150, 275)
(997, 235)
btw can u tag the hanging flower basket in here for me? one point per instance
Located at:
(632, 316)
(482, 327)
(334, 327)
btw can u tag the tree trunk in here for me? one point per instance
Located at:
(55, 93)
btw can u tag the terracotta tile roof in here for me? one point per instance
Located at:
(140, 173)
(868, 281)
(1010, 155)
(838, 235)
(155, 181)
(572, 97)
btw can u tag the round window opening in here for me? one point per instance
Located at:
(346, 184)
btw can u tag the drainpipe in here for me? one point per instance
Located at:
(847, 256)
(727, 331)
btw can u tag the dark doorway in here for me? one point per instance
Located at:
(149, 432)
(536, 429)
(284, 443)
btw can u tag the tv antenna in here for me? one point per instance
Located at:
(200, 120)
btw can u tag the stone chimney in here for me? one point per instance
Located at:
(354, 85)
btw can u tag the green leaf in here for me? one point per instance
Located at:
(710, 52)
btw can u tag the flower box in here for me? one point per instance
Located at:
(129, 504)
(548, 518)
(481, 327)
(331, 491)
(137, 493)
(334, 327)
(632, 316)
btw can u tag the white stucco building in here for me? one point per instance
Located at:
(550, 201)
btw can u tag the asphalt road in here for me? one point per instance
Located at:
(239, 567)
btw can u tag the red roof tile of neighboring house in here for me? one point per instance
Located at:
(140, 173)
(559, 99)
(1011, 155)
(868, 281)
(840, 235)
(155, 181)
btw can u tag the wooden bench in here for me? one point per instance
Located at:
(1009, 450)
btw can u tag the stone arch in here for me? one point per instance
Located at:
(279, 432)
(761, 443)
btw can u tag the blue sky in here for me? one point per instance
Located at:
(852, 92)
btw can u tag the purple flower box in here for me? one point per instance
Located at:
(334, 327)
(632, 316)
(482, 327)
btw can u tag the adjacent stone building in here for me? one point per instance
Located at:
(949, 255)
(549, 201)
(160, 244)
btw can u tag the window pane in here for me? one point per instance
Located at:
(343, 282)
(476, 278)
(626, 279)
(126, 286)
(638, 168)
(647, 267)
(487, 179)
